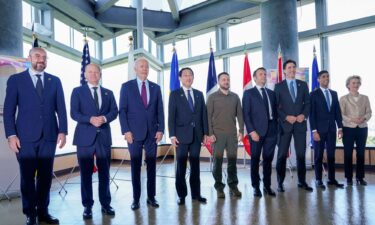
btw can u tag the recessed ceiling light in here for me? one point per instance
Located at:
(182, 36)
(234, 21)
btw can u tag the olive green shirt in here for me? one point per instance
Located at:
(222, 111)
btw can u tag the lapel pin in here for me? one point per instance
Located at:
(182, 95)
(49, 78)
(105, 93)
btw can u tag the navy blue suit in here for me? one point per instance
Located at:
(325, 121)
(285, 107)
(36, 121)
(143, 122)
(92, 140)
(189, 128)
(256, 119)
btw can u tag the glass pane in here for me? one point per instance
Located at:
(122, 43)
(123, 3)
(107, 49)
(78, 40)
(113, 78)
(62, 32)
(181, 48)
(306, 17)
(69, 74)
(359, 62)
(306, 54)
(236, 69)
(26, 14)
(92, 47)
(344, 10)
(201, 44)
(26, 49)
(247, 32)
(187, 3)
(156, 5)
(152, 75)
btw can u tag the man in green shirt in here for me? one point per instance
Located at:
(223, 107)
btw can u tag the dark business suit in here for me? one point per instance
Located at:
(256, 119)
(143, 122)
(324, 121)
(189, 127)
(92, 140)
(285, 107)
(36, 121)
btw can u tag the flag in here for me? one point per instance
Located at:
(314, 80)
(85, 61)
(279, 66)
(211, 78)
(131, 73)
(174, 82)
(35, 43)
(246, 85)
(314, 72)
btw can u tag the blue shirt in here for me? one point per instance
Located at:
(288, 81)
(139, 82)
(34, 78)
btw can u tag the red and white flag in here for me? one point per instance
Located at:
(246, 85)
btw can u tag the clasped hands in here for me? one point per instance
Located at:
(292, 119)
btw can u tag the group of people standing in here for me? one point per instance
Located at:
(35, 120)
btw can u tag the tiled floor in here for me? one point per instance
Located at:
(351, 205)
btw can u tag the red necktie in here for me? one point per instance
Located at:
(144, 94)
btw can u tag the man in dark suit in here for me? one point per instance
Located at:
(33, 100)
(324, 117)
(188, 128)
(93, 107)
(260, 116)
(293, 105)
(142, 123)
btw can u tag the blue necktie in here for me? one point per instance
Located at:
(190, 100)
(292, 92)
(39, 86)
(327, 99)
(265, 100)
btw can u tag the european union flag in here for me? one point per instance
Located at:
(174, 82)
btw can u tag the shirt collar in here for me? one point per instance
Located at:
(323, 89)
(139, 81)
(186, 89)
(33, 72)
(91, 86)
(259, 87)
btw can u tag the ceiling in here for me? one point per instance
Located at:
(162, 20)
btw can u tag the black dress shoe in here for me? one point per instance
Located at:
(280, 188)
(31, 220)
(135, 205)
(269, 191)
(257, 193)
(319, 184)
(181, 201)
(199, 199)
(335, 183)
(349, 182)
(108, 210)
(305, 187)
(87, 213)
(361, 182)
(152, 202)
(48, 219)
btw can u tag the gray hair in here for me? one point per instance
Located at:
(138, 60)
(35, 49)
(353, 77)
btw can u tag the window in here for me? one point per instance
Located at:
(344, 10)
(26, 49)
(306, 17)
(78, 40)
(181, 48)
(201, 44)
(69, 75)
(92, 47)
(236, 69)
(358, 61)
(122, 43)
(62, 32)
(247, 32)
(26, 14)
(112, 78)
(108, 49)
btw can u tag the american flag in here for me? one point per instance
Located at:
(85, 61)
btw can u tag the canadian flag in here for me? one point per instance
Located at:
(246, 85)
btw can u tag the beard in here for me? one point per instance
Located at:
(39, 66)
(226, 88)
